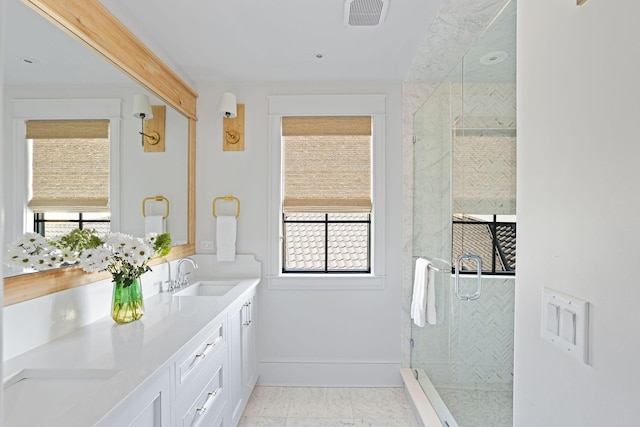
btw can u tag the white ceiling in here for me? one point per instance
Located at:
(275, 40)
(264, 41)
(59, 58)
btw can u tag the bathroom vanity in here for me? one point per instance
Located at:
(191, 360)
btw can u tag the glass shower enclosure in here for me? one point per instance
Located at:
(464, 203)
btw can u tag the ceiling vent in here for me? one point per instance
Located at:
(365, 13)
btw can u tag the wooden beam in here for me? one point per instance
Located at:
(94, 25)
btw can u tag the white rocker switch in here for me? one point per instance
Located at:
(568, 326)
(553, 318)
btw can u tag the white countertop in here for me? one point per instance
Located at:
(106, 361)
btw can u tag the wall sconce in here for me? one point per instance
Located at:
(232, 123)
(153, 128)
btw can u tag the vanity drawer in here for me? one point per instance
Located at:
(208, 405)
(195, 361)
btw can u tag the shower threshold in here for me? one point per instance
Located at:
(479, 407)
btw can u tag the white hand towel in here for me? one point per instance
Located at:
(226, 237)
(154, 224)
(431, 296)
(423, 306)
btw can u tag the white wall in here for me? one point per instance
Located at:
(308, 337)
(578, 172)
(1, 210)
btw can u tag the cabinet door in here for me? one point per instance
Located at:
(250, 356)
(243, 363)
(236, 389)
(149, 408)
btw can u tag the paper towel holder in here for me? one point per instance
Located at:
(227, 199)
(156, 199)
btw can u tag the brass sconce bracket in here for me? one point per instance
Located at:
(233, 131)
(154, 134)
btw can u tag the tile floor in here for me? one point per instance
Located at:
(327, 407)
(479, 408)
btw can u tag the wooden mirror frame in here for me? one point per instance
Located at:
(93, 24)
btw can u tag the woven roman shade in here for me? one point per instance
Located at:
(327, 164)
(70, 165)
(67, 129)
(484, 166)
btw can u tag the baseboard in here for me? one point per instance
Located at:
(320, 374)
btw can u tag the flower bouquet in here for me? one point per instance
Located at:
(126, 258)
(33, 251)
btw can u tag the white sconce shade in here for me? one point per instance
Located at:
(228, 107)
(142, 107)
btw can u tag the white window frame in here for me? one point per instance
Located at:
(326, 105)
(59, 109)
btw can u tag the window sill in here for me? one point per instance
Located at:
(326, 281)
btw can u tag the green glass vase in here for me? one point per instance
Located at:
(127, 304)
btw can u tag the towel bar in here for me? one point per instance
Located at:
(156, 199)
(433, 267)
(228, 199)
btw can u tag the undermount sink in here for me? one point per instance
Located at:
(61, 387)
(208, 288)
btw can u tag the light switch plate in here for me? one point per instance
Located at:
(573, 323)
(553, 319)
(206, 245)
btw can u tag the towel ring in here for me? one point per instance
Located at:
(228, 199)
(157, 199)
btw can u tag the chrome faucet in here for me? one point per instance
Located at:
(171, 284)
(182, 279)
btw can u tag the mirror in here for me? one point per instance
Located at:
(60, 67)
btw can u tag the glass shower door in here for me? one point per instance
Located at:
(464, 197)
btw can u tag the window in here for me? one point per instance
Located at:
(55, 224)
(69, 175)
(484, 193)
(491, 237)
(327, 194)
(341, 219)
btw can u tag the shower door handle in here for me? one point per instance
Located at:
(478, 292)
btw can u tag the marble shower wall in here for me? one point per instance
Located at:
(472, 344)
(456, 27)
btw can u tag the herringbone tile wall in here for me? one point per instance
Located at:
(472, 344)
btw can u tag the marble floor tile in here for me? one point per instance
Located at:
(319, 422)
(327, 407)
(270, 402)
(380, 403)
(320, 403)
(398, 422)
(261, 422)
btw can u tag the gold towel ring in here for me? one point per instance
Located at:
(228, 199)
(157, 199)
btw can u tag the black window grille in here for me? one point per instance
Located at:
(492, 240)
(326, 243)
(57, 224)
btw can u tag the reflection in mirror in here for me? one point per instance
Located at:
(49, 75)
